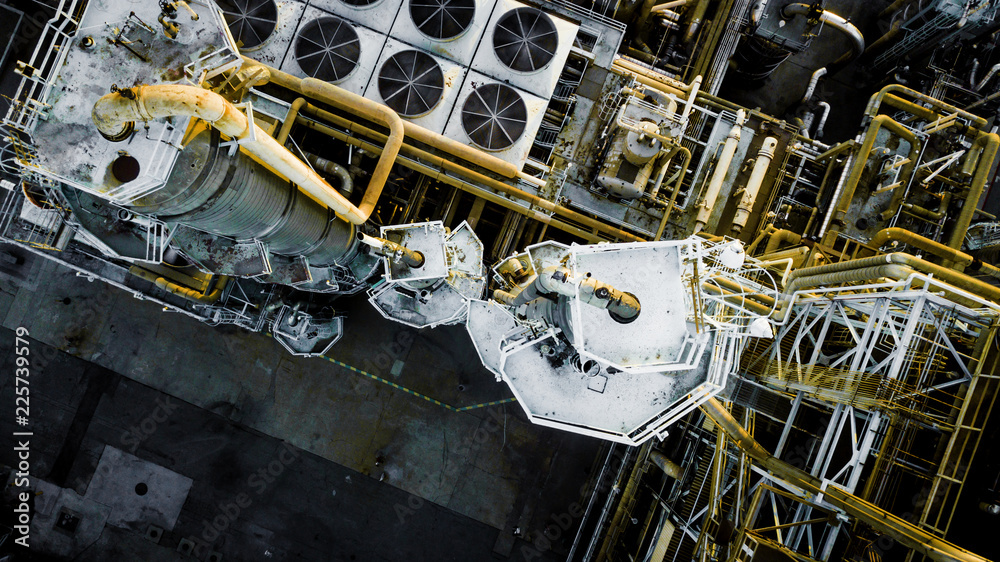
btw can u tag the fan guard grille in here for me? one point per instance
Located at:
(442, 19)
(411, 83)
(494, 116)
(525, 39)
(250, 21)
(328, 49)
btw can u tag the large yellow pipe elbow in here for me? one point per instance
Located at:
(115, 115)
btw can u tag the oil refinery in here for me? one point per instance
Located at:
(581, 280)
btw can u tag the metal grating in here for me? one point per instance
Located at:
(494, 116)
(411, 83)
(328, 49)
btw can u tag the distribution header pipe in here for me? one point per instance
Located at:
(456, 168)
(834, 21)
(950, 276)
(115, 115)
(908, 534)
(930, 246)
(328, 93)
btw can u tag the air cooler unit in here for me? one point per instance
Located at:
(374, 14)
(417, 85)
(242, 17)
(333, 49)
(448, 28)
(525, 47)
(496, 117)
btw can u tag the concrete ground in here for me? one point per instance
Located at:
(251, 453)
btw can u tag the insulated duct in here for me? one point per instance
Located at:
(236, 197)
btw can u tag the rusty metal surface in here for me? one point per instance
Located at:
(221, 255)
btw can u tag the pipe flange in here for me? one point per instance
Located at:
(127, 129)
(623, 319)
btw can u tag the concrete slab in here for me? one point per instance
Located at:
(67, 541)
(138, 492)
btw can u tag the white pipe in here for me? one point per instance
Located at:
(836, 195)
(951, 160)
(690, 101)
(376, 243)
(813, 80)
(746, 203)
(667, 6)
(660, 175)
(993, 70)
(721, 169)
(756, 11)
(834, 21)
(822, 119)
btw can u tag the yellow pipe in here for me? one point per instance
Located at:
(930, 246)
(373, 111)
(286, 125)
(797, 253)
(721, 170)
(676, 190)
(745, 206)
(667, 85)
(667, 6)
(779, 237)
(412, 130)
(656, 77)
(646, 81)
(748, 292)
(475, 190)
(990, 143)
(833, 151)
(906, 533)
(876, 101)
(950, 276)
(697, 14)
(842, 201)
(115, 115)
(738, 300)
(180, 290)
(476, 176)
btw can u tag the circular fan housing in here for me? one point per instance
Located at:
(360, 3)
(442, 19)
(411, 83)
(251, 22)
(328, 49)
(525, 39)
(494, 116)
